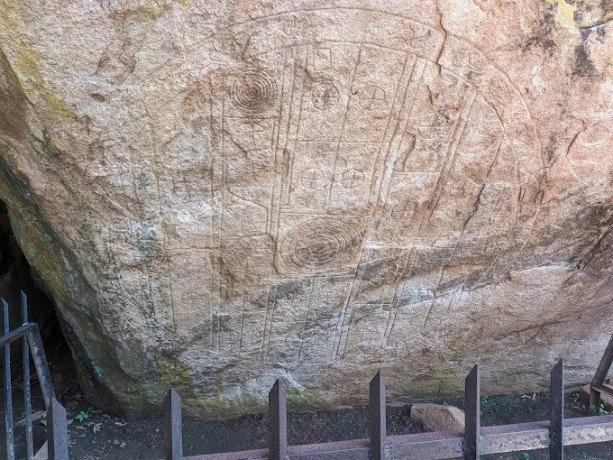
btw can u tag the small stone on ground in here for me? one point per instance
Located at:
(437, 417)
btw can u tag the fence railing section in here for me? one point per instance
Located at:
(475, 441)
(32, 346)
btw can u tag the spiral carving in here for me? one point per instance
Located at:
(252, 91)
(320, 243)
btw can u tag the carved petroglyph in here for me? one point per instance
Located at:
(311, 145)
(252, 91)
(319, 244)
(324, 95)
(308, 189)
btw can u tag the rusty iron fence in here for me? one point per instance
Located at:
(32, 347)
(475, 441)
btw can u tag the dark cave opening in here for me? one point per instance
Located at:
(16, 275)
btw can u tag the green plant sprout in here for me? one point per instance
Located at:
(83, 415)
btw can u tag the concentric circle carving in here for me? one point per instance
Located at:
(252, 91)
(320, 243)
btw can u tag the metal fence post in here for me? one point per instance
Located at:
(377, 426)
(57, 431)
(27, 396)
(8, 390)
(277, 421)
(472, 398)
(556, 423)
(600, 375)
(173, 425)
(37, 351)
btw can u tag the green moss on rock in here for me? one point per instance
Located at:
(220, 408)
(303, 399)
(172, 373)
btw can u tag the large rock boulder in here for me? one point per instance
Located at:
(221, 193)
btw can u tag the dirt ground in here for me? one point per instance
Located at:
(94, 434)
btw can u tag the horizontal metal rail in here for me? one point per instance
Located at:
(442, 445)
(15, 334)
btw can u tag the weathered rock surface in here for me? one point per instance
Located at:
(219, 194)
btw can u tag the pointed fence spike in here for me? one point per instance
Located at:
(376, 417)
(277, 421)
(57, 431)
(472, 398)
(173, 424)
(24, 308)
(556, 423)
